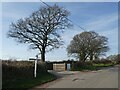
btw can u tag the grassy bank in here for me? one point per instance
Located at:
(19, 74)
(26, 83)
(103, 65)
(80, 66)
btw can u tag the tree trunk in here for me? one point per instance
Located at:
(91, 57)
(43, 55)
(82, 57)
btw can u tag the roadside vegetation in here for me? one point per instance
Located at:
(94, 65)
(19, 75)
(87, 47)
(42, 30)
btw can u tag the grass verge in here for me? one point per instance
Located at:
(27, 83)
(92, 67)
(103, 65)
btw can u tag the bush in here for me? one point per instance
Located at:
(20, 69)
(49, 65)
(118, 59)
(82, 66)
(103, 61)
(42, 67)
(20, 75)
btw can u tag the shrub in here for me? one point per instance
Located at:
(81, 65)
(20, 69)
(49, 65)
(118, 59)
(42, 67)
(103, 61)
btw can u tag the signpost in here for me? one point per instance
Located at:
(35, 69)
(35, 66)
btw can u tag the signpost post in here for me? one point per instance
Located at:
(35, 69)
(35, 66)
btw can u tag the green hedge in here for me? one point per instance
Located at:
(20, 74)
(49, 65)
(103, 61)
(79, 66)
(19, 69)
(94, 65)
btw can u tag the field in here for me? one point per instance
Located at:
(19, 74)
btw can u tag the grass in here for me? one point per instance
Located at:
(19, 75)
(92, 67)
(103, 65)
(26, 83)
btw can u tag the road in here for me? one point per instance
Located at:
(105, 78)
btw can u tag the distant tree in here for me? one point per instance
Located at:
(88, 45)
(117, 59)
(112, 57)
(42, 29)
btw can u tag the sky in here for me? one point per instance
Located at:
(60, 0)
(101, 17)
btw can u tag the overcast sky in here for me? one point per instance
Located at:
(99, 17)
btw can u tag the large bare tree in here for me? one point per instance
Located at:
(88, 45)
(42, 29)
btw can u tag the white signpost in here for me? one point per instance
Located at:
(35, 66)
(35, 69)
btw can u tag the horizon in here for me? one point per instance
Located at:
(99, 17)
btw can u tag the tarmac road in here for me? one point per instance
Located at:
(105, 78)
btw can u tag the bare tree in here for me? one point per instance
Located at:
(88, 45)
(42, 29)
